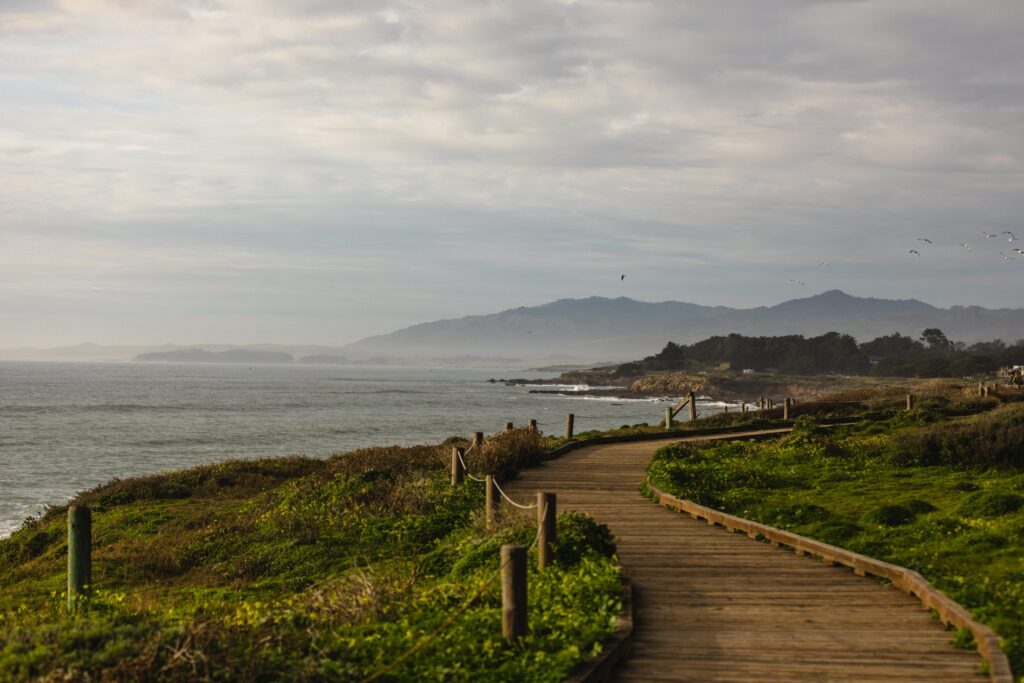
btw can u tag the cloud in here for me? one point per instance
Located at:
(716, 147)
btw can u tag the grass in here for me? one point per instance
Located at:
(943, 497)
(301, 569)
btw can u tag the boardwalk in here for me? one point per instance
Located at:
(715, 606)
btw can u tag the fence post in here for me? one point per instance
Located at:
(785, 409)
(490, 500)
(760, 402)
(79, 555)
(458, 471)
(509, 426)
(547, 536)
(743, 407)
(771, 404)
(569, 420)
(725, 409)
(910, 401)
(478, 439)
(693, 407)
(513, 592)
(533, 426)
(981, 389)
(668, 418)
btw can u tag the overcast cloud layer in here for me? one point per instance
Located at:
(315, 171)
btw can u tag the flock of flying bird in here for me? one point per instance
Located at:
(988, 235)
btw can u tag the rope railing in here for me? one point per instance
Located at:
(504, 495)
(466, 469)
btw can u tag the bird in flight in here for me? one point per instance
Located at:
(914, 251)
(924, 239)
(1019, 251)
(525, 330)
(967, 246)
(987, 235)
(1005, 257)
(621, 278)
(1012, 238)
(826, 264)
(797, 282)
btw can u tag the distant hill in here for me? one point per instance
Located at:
(598, 328)
(204, 356)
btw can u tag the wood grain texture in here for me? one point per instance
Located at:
(715, 606)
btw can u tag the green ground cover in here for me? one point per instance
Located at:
(302, 569)
(942, 496)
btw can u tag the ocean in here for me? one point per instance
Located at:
(67, 427)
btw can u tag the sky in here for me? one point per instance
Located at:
(317, 171)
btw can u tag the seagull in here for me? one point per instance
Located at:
(525, 330)
(1019, 251)
(1005, 257)
(914, 251)
(1012, 238)
(988, 235)
(621, 278)
(924, 239)
(797, 282)
(826, 264)
(966, 246)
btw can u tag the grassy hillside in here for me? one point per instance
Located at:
(301, 569)
(942, 496)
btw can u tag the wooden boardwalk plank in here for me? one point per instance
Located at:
(716, 606)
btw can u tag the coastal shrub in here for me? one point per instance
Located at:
(919, 507)
(991, 504)
(799, 514)
(209, 480)
(836, 532)
(995, 439)
(890, 515)
(581, 536)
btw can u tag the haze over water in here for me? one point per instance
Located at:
(65, 428)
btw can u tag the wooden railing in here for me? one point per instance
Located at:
(907, 580)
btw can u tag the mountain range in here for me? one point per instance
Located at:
(603, 329)
(599, 328)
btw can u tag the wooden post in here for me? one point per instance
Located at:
(981, 389)
(725, 409)
(785, 409)
(693, 406)
(771, 404)
(743, 407)
(509, 426)
(668, 418)
(533, 426)
(458, 471)
(79, 555)
(910, 401)
(547, 537)
(760, 402)
(569, 419)
(478, 439)
(490, 500)
(513, 592)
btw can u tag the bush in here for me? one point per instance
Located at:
(890, 515)
(995, 439)
(990, 504)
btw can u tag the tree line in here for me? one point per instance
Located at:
(930, 355)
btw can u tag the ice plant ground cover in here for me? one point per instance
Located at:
(304, 569)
